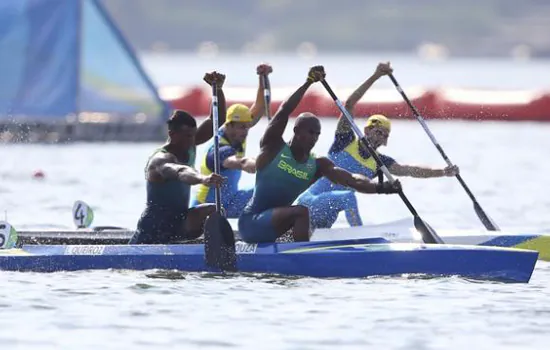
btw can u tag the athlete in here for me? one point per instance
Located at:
(284, 170)
(232, 150)
(170, 174)
(326, 199)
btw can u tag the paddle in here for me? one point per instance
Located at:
(428, 234)
(219, 242)
(267, 96)
(485, 219)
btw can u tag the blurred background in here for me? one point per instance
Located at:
(468, 28)
(87, 85)
(114, 69)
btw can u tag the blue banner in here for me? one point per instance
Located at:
(38, 58)
(64, 57)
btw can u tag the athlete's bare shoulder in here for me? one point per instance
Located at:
(159, 159)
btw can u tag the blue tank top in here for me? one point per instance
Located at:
(206, 194)
(171, 195)
(346, 154)
(281, 181)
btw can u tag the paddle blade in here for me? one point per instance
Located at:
(83, 215)
(485, 219)
(219, 245)
(428, 234)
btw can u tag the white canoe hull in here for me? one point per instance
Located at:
(400, 231)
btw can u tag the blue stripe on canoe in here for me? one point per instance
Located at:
(191, 249)
(390, 259)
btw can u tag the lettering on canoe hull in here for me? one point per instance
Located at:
(85, 250)
(245, 248)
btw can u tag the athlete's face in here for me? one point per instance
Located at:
(183, 137)
(307, 133)
(237, 132)
(377, 136)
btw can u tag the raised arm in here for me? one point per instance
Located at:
(165, 166)
(258, 108)
(358, 182)
(382, 69)
(204, 131)
(273, 135)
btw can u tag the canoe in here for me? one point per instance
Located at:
(403, 231)
(399, 231)
(333, 259)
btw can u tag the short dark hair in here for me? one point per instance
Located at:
(180, 118)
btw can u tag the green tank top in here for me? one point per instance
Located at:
(281, 181)
(172, 195)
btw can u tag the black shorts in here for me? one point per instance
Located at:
(158, 226)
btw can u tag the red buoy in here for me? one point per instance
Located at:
(38, 174)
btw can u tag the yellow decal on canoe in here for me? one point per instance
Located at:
(540, 244)
(14, 251)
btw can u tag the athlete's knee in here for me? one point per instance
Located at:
(200, 212)
(205, 208)
(350, 196)
(301, 211)
(348, 199)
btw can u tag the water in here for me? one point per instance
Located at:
(503, 163)
(113, 310)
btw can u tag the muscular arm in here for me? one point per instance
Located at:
(257, 109)
(415, 171)
(244, 163)
(166, 167)
(204, 131)
(343, 126)
(273, 135)
(342, 177)
(230, 160)
(272, 141)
